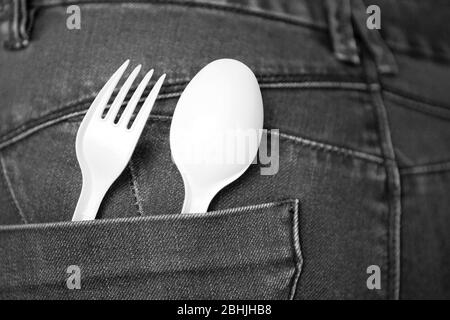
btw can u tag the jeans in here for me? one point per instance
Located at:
(364, 160)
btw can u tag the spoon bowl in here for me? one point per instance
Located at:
(216, 130)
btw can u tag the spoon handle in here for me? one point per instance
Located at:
(195, 201)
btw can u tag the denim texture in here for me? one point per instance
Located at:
(365, 153)
(160, 256)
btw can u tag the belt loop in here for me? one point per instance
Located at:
(384, 59)
(19, 25)
(341, 30)
(3, 10)
(2, 7)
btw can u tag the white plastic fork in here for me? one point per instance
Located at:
(103, 147)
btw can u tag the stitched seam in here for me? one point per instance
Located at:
(306, 142)
(414, 98)
(391, 260)
(298, 259)
(394, 211)
(37, 128)
(71, 109)
(245, 208)
(135, 189)
(333, 80)
(330, 148)
(26, 132)
(215, 213)
(393, 192)
(11, 191)
(73, 106)
(408, 50)
(210, 6)
(179, 84)
(358, 86)
(303, 141)
(269, 81)
(418, 106)
(426, 169)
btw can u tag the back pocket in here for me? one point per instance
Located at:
(249, 252)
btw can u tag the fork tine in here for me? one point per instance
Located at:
(112, 113)
(100, 101)
(128, 112)
(142, 116)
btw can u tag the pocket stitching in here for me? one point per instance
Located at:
(298, 259)
(290, 216)
(11, 192)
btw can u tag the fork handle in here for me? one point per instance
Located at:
(89, 201)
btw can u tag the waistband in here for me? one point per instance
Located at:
(408, 26)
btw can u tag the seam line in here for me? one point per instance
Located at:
(310, 143)
(418, 106)
(359, 86)
(426, 169)
(205, 5)
(57, 116)
(135, 189)
(331, 148)
(11, 191)
(408, 50)
(392, 201)
(414, 98)
(76, 224)
(298, 259)
(393, 190)
(26, 132)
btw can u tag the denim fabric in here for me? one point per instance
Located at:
(365, 153)
(159, 256)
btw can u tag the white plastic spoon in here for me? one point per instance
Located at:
(216, 130)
